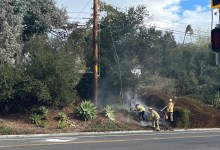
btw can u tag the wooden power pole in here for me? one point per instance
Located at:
(95, 51)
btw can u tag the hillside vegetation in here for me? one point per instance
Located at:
(200, 116)
(46, 67)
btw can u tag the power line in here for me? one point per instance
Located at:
(180, 32)
(164, 21)
(177, 25)
(173, 24)
(83, 8)
(80, 18)
(71, 12)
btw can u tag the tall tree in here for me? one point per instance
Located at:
(21, 19)
(188, 30)
(11, 18)
(46, 73)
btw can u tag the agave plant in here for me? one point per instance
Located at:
(86, 110)
(42, 111)
(109, 112)
(36, 119)
(62, 123)
(62, 116)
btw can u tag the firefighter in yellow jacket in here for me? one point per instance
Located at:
(155, 117)
(141, 112)
(170, 108)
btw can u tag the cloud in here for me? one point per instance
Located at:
(170, 14)
(173, 15)
(172, 11)
(200, 17)
(166, 9)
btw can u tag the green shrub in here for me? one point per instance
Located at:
(86, 110)
(39, 116)
(109, 113)
(42, 111)
(36, 119)
(62, 120)
(55, 68)
(62, 124)
(62, 116)
(182, 116)
(6, 131)
(44, 124)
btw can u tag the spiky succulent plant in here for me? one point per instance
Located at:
(86, 110)
(109, 112)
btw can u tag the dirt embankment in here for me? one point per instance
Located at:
(201, 115)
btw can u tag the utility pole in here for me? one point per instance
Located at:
(95, 51)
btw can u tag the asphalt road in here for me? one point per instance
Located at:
(177, 140)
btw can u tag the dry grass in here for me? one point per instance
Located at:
(20, 124)
(202, 116)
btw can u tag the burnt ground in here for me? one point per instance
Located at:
(201, 116)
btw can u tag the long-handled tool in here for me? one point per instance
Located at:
(163, 109)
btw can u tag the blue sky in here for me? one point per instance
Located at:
(167, 14)
(191, 4)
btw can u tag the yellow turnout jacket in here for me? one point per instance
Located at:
(155, 115)
(140, 108)
(170, 107)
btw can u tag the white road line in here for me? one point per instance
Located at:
(114, 134)
(156, 133)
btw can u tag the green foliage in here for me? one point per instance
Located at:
(36, 119)
(20, 20)
(128, 45)
(44, 124)
(62, 116)
(183, 69)
(86, 110)
(11, 19)
(182, 116)
(34, 87)
(62, 123)
(39, 116)
(6, 131)
(216, 101)
(8, 79)
(109, 113)
(42, 111)
(42, 16)
(18, 90)
(118, 26)
(48, 78)
(36, 69)
(58, 68)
